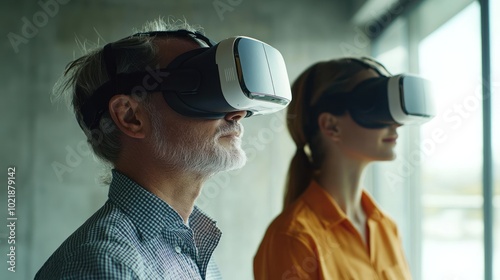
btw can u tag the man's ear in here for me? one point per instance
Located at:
(128, 115)
(329, 126)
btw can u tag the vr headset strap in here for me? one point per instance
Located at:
(187, 80)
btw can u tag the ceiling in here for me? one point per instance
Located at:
(365, 11)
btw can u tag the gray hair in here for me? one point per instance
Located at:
(85, 74)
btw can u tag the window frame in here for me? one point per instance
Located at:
(415, 33)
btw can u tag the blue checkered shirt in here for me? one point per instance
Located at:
(136, 235)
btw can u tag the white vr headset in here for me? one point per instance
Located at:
(382, 101)
(237, 74)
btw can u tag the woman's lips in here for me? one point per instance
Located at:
(391, 139)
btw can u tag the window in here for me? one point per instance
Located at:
(442, 220)
(451, 178)
(495, 91)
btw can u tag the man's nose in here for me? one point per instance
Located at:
(235, 116)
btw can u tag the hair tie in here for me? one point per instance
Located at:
(307, 151)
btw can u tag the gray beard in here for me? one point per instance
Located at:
(203, 156)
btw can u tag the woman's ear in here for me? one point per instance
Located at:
(329, 126)
(128, 115)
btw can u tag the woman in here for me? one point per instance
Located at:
(330, 227)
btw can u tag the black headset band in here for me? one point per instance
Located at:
(95, 106)
(341, 100)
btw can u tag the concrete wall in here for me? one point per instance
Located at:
(36, 134)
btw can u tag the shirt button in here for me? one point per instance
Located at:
(178, 249)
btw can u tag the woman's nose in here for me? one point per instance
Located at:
(396, 125)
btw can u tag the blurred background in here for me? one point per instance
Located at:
(441, 190)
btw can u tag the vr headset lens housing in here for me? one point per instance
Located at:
(383, 101)
(262, 71)
(237, 74)
(416, 98)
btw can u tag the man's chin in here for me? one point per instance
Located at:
(237, 161)
(225, 159)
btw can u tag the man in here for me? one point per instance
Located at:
(149, 228)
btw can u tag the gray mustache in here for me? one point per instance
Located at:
(230, 128)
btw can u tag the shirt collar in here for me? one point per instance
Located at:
(325, 206)
(371, 208)
(149, 213)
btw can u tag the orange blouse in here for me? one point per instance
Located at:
(313, 239)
